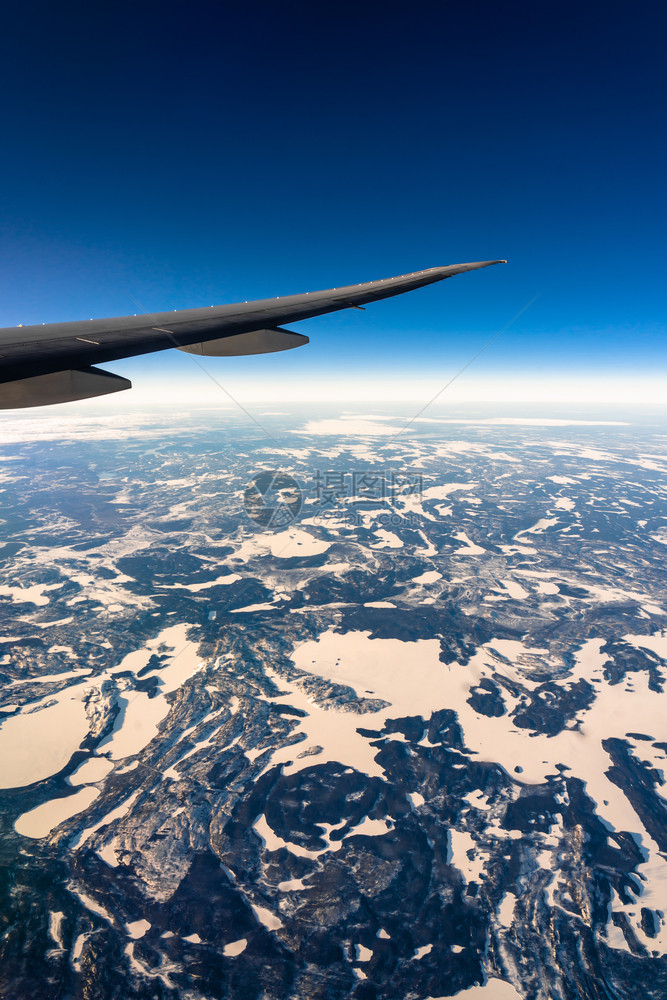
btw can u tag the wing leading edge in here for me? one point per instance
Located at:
(62, 350)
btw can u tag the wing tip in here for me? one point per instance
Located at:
(469, 265)
(451, 269)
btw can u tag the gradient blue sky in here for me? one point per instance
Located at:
(179, 155)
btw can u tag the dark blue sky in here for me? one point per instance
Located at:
(183, 155)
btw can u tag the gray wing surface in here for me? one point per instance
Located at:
(30, 353)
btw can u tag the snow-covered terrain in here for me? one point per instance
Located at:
(412, 744)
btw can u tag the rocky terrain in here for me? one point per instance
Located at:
(406, 741)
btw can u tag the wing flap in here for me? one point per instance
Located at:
(254, 342)
(60, 387)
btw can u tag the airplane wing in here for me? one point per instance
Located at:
(53, 363)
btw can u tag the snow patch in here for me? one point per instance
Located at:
(138, 928)
(235, 948)
(40, 821)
